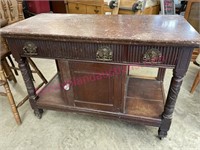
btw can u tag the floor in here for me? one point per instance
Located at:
(71, 131)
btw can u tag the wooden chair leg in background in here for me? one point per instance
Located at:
(4, 83)
(196, 82)
(9, 74)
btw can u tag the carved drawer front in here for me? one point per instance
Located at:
(93, 85)
(70, 50)
(117, 53)
(156, 55)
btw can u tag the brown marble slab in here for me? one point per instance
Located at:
(154, 29)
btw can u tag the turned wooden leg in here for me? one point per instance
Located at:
(26, 73)
(170, 105)
(196, 82)
(10, 96)
(176, 81)
(161, 74)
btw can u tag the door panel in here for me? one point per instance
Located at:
(94, 85)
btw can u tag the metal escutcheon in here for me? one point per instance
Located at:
(104, 54)
(30, 48)
(152, 56)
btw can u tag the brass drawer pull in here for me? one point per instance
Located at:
(30, 48)
(77, 7)
(152, 56)
(104, 54)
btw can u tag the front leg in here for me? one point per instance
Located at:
(179, 71)
(27, 76)
(38, 113)
(169, 106)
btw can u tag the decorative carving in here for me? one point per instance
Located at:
(30, 48)
(152, 56)
(104, 54)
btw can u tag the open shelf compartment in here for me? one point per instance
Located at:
(144, 101)
(144, 97)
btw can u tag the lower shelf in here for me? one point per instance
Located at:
(144, 101)
(144, 97)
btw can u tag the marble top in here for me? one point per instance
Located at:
(157, 29)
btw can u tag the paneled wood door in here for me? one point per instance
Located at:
(94, 85)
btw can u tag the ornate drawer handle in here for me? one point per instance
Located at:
(30, 48)
(77, 7)
(104, 54)
(152, 56)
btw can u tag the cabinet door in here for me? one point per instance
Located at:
(76, 8)
(93, 10)
(96, 86)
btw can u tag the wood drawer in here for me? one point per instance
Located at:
(93, 10)
(76, 8)
(70, 50)
(99, 52)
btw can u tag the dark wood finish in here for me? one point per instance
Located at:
(178, 73)
(27, 75)
(93, 45)
(65, 75)
(161, 74)
(94, 85)
(145, 98)
(55, 101)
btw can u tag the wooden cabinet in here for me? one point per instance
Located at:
(85, 50)
(84, 6)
